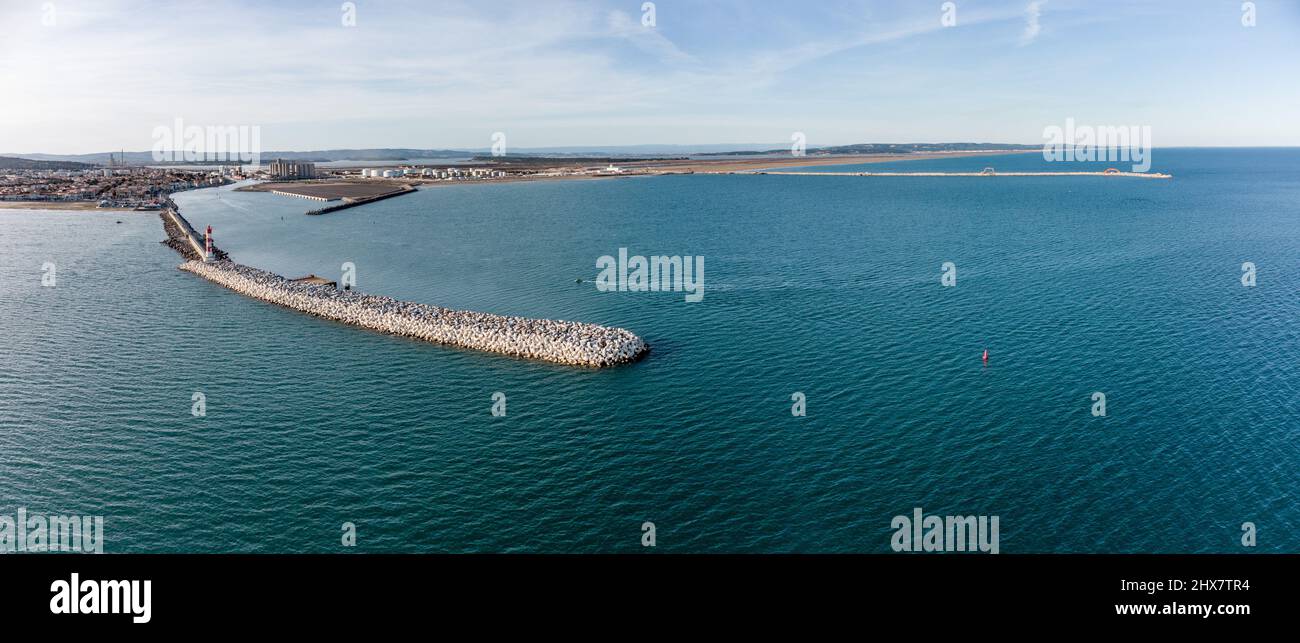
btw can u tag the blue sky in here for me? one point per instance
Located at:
(441, 74)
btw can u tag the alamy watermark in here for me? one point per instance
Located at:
(654, 274)
(90, 596)
(348, 275)
(1099, 404)
(1099, 143)
(179, 143)
(920, 532)
(26, 532)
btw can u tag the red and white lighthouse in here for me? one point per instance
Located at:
(207, 255)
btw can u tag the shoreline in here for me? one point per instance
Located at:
(647, 169)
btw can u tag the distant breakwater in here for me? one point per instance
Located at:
(561, 342)
(349, 202)
(984, 173)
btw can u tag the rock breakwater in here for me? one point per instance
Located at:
(562, 342)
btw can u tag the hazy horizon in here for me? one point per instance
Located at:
(593, 74)
(648, 148)
(622, 150)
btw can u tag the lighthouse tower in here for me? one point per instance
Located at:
(207, 255)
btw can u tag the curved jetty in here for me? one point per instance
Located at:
(563, 342)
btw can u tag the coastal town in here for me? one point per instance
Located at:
(118, 186)
(138, 188)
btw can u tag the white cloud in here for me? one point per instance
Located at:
(1032, 28)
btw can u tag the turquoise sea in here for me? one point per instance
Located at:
(829, 286)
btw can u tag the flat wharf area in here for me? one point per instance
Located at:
(331, 191)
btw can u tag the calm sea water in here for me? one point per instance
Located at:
(823, 285)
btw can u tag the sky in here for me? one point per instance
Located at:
(82, 77)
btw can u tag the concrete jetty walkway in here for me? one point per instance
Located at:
(182, 237)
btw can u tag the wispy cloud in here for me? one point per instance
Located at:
(647, 39)
(588, 72)
(1032, 28)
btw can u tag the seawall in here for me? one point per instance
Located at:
(302, 196)
(561, 342)
(352, 203)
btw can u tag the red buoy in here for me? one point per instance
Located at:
(986, 355)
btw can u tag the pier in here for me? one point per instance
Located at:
(189, 235)
(304, 196)
(183, 238)
(349, 202)
(351, 193)
(560, 342)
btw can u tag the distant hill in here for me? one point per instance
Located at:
(15, 163)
